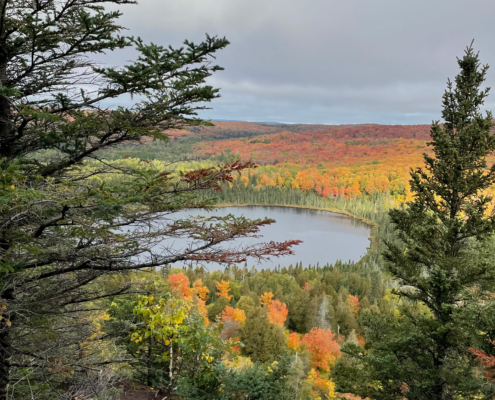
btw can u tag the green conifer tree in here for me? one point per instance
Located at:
(246, 304)
(443, 264)
(245, 287)
(262, 341)
(68, 233)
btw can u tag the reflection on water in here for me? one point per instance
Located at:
(327, 237)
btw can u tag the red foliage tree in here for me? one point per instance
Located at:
(488, 361)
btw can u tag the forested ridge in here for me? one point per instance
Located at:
(98, 302)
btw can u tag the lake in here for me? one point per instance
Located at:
(327, 237)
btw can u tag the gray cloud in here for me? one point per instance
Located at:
(326, 61)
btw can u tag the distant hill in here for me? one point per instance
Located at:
(235, 129)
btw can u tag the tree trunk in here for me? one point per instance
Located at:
(5, 344)
(148, 363)
(4, 364)
(7, 134)
(6, 138)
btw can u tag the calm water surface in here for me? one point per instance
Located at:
(327, 237)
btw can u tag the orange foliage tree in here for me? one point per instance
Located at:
(355, 304)
(294, 341)
(277, 312)
(201, 304)
(323, 348)
(180, 284)
(233, 314)
(224, 289)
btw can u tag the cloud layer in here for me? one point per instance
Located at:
(326, 61)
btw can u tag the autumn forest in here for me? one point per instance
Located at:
(99, 302)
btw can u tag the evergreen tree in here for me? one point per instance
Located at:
(245, 287)
(376, 287)
(260, 382)
(298, 302)
(344, 315)
(246, 304)
(216, 308)
(263, 341)
(299, 387)
(444, 264)
(364, 303)
(68, 234)
(310, 311)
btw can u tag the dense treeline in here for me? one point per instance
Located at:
(292, 317)
(340, 132)
(297, 287)
(170, 151)
(372, 209)
(367, 207)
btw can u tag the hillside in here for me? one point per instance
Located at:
(311, 144)
(343, 160)
(334, 145)
(230, 129)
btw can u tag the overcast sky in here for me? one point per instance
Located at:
(326, 61)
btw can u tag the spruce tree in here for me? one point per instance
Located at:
(262, 341)
(443, 264)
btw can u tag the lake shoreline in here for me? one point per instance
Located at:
(373, 225)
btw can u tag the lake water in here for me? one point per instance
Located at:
(327, 237)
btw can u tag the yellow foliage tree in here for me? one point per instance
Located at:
(266, 298)
(201, 304)
(224, 289)
(234, 314)
(201, 290)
